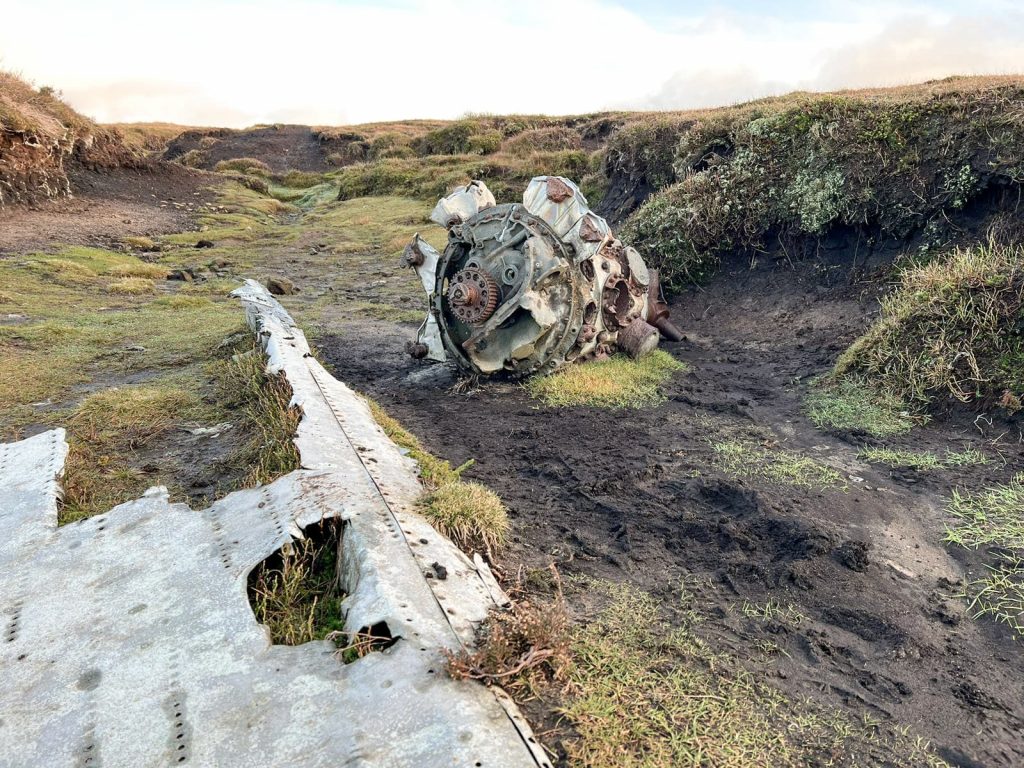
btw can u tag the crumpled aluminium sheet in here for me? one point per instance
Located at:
(127, 638)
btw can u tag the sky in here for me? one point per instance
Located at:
(336, 62)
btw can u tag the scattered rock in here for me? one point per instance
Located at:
(180, 274)
(205, 244)
(281, 286)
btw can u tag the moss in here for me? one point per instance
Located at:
(804, 164)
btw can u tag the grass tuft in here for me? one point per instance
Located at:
(267, 417)
(468, 513)
(850, 404)
(132, 286)
(994, 518)
(745, 458)
(616, 382)
(952, 328)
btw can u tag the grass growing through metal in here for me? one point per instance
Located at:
(296, 593)
(616, 382)
(994, 518)
(923, 460)
(746, 458)
(850, 404)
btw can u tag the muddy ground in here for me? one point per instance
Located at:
(872, 622)
(108, 205)
(875, 625)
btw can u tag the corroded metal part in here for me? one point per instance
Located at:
(128, 639)
(473, 295)
(565, 286)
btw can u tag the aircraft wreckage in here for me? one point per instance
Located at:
(127, 638)
(526, 288)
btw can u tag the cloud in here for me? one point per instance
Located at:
(917, 48)
(710, 88)
(230, 63)
(135, 100)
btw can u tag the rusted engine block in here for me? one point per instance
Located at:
(526, 288)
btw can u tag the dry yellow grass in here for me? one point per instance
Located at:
(132, 286)
(468, 513)
(617, 382)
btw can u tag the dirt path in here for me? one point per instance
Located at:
(852, 588)
(108, 206)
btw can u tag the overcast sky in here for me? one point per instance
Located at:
(231, 63)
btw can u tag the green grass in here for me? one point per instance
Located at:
(923, 460)
(950, 329)
(77, 331)
(647, 692)
(851, 404)
(468, 513)
(993, 517)
(296, 594)
(262, 403)
(616, 382)
(747, 458)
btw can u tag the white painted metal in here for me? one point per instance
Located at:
(128, 639)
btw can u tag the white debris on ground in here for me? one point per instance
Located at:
(128, 640)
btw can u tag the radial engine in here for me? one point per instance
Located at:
(526, 288)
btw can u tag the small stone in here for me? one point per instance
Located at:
(281, 286)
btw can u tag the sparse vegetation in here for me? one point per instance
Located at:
(851, 404)
(922, 460)
(616, 382)
(746, 458)
(108, 425)
(296, 593)
(646, 693)
(469, 513)
(994, 518)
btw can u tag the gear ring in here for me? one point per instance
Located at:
(473, 295)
